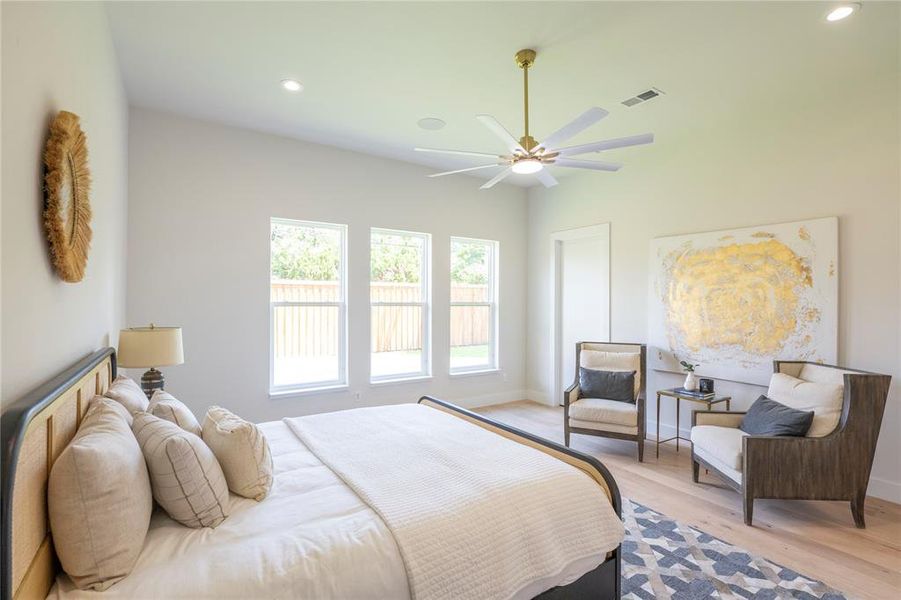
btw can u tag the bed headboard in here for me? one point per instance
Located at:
(34, 430)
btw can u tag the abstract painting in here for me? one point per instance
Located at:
(736, 300)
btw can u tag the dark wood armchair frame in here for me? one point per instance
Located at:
(833, 467)
(640, 402)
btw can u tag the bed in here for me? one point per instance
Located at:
(318, 535)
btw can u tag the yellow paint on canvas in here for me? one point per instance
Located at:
(741, 294)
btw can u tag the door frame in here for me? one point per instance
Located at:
(602, 231)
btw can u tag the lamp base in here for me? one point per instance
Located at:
(152, 381)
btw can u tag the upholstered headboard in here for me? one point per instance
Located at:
(35, 430)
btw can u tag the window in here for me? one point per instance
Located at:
(473, 306)
(399, 295)
(307, 305)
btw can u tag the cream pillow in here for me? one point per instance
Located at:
(601, 360)
(117, 407)
(166, 406)
(824, 399)
(128, 393)
(242, 450)
(99, 499)
(185, 477)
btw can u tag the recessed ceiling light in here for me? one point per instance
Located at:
(842, 11)
(292, 85)
(431, 123)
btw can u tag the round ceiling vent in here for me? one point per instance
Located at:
(431, 123)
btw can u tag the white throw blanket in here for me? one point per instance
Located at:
(475, 515)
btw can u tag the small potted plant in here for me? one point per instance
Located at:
(691, 382)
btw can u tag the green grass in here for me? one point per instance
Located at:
(469, 351)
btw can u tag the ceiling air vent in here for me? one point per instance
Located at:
(643, 97)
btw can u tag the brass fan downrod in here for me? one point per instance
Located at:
(525, 59)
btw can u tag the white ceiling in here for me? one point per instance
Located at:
(371, 70)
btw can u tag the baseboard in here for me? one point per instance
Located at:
(884, 489)
(490, 399)
(666, 431)
(536, 396)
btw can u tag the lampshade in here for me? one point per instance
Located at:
(152, 346)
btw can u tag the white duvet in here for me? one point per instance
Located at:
(316, 537)
(311, 538)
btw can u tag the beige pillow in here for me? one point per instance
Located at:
(128, 393)
(613, 361)
(166, 406)
(242, 450)
(117, 407)
(99, 499)
(185, 477)
(824, 399)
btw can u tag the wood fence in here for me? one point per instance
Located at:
(314, 330)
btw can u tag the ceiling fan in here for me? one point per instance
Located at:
(529, 156)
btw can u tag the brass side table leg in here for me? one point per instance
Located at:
(658, 424)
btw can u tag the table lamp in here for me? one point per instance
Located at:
(150, 347)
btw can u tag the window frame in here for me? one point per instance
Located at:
(341, 304)
(493, 305)
(425, 304)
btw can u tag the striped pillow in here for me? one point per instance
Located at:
(185, 476)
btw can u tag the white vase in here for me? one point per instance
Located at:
(691, 382)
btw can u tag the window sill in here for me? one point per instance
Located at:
(326, 389)
(473, 373)
(400, 380)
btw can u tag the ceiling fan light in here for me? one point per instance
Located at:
(527, 166)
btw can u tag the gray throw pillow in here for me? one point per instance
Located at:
(768, 417)
(610, 385)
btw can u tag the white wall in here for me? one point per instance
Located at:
(201, 196)
(834, 153)
(58, 56)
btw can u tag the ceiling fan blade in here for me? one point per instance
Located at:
(458, 152)
(577, 125)
(490, 183)
(595, 165)
(511, 143)
(463, 170)
(632, 140)
(546, 178)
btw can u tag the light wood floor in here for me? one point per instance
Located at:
(817, 539)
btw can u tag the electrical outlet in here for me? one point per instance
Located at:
(358, 396)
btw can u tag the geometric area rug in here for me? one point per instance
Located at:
(665, 559)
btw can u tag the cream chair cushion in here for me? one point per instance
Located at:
(184, 474)
(99, 499)
(824, 399)
(613, 361)
(166, 406)
(719, 446)
(128, 393)
(599, 410)
(242, 451)
(607, 427)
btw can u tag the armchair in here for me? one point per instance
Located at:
(599, 416)
(835, 466)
